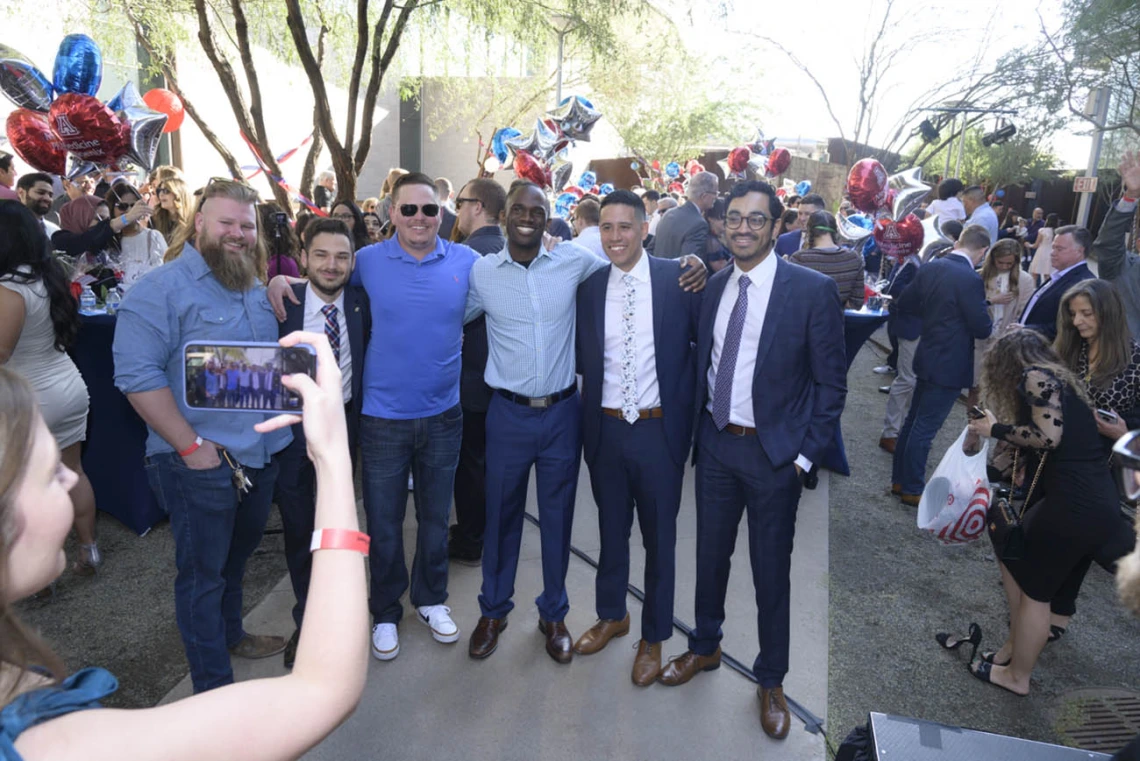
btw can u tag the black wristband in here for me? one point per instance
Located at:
(1000, 430)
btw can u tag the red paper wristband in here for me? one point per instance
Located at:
(192, 448)
(1126, 199)
(340, 539)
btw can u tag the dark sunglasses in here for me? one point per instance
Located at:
(460, 201)
(410, 209)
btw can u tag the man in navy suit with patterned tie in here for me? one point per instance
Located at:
(771, 384)
(635, 334)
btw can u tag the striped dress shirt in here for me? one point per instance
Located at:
(530, 316)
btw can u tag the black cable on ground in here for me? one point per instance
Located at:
(812, 723)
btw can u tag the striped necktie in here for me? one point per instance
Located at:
(726, 370)
(332, 328)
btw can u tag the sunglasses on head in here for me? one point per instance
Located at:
(410, 209)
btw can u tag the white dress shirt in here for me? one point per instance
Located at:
(648, 394)
(761, 278)
(1057, 275)
(591, 239)
(315, 323)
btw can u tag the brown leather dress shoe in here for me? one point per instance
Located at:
(684, 667)
(887, 444)
(896, 489)
(485, 637)
(596, 637)
(647, 664)
(255, 646)
(774, 716)
(911, 500)
(559, 644)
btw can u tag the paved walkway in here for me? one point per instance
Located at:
(434, 702)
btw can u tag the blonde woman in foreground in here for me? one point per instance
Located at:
(45, 716)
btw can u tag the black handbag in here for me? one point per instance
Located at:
(1004, 518)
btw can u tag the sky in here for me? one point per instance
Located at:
(830, 35)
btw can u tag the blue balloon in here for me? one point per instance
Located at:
(862, 220)
(581, 100)
(672, 169)
(78, 65)
(564, 203)
(606, 188)
(497, 146)
(588, 180)
(803, 187)
(1000, 194)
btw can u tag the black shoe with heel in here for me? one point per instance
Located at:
(951, 642)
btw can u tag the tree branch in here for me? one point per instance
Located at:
(357, 68)
(380, 65)
(310, 166)
(241, 28)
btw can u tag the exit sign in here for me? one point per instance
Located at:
(1084, 185)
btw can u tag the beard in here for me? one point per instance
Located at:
(235, 274)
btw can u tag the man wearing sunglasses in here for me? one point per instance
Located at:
(528, 293)
(771, 384)
(411, 418)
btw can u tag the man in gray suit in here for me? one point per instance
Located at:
(685, 230)
(1114, 263)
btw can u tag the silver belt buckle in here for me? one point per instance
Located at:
(540, 403)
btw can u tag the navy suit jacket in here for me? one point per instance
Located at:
(799, 386)
(1043, 316)
(358, 315)
(789, 243)
(474, 393)
(950, 299)
(675, 315)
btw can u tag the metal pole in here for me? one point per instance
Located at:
(1101, 97)
(961, 147)
(558, 96)
(949, 150)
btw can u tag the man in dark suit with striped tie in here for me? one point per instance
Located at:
(771, 385)
(341, 311)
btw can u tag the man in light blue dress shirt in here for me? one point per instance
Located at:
(979, 211)
(209, 293)
(528, 294)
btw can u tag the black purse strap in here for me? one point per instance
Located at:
(1032, 486)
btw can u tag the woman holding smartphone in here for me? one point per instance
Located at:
(45, 715)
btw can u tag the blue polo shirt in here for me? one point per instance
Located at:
(411, 369)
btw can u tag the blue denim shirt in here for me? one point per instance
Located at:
(171, 306)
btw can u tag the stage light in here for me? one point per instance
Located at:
(929, 131)
(1000, 135)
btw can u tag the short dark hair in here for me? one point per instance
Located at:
(650, 195)
(947, 189)
(5, 162)
(624, 198)
(490, 193)
(974, 238)
(741, 189)
(1081, 236)
(952, 229)
(28, 181)
(813, 199)
(976, 192)
(414, 178)
(519, 185)
(717, 210)
(590, 212)
(330, 226)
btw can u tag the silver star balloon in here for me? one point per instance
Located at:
(850, 229)
(931, 234)
(127, 96)
(561, 172)
(909, 189)
(146, 133)
(528, 143)
(79, 168)
(576, 117)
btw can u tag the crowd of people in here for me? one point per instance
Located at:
(451, 330)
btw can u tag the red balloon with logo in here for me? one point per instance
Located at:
(88, 129)
(899, 240)
(778, 162)
(31, 137)
(166, 102)
(867, 186)
(527, 167)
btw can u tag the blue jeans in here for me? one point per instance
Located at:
(429, 447)
(929, 408)
(215, 532)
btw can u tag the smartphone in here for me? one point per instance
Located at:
(975, 413)
(235, 376)
(1107, 416)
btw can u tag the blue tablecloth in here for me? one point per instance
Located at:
(116, 435)
(858, 326)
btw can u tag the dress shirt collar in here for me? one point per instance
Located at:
(1058, 275)
(964, 255)
(194, 262)
(314, 303)
(505, 255)
(640, 271)
(761, 274)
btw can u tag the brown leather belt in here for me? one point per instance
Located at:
(739, 430)
(641, 414)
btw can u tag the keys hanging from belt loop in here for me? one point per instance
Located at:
(241, 481)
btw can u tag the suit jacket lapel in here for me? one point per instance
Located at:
(776, 305)
(600, 293)
(355, 318)
(658, 288)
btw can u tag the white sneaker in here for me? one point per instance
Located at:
(883, 370)
(385, 641)
(438, 617)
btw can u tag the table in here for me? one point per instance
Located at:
(858, 326)
(116, 435)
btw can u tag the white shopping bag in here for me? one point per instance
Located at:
(954, 502)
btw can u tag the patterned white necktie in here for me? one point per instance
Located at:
(629, 395)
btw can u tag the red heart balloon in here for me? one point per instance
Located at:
(89, 129)
(778, 162)
(899, 240)
(30, 134)
(738, 159)
(867, 185)
(527, 167)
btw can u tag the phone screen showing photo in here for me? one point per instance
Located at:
(244, 377)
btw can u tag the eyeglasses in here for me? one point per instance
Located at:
(163, 189)
(460, 201)
(756, 221)
(344, 216)
(410, 209)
